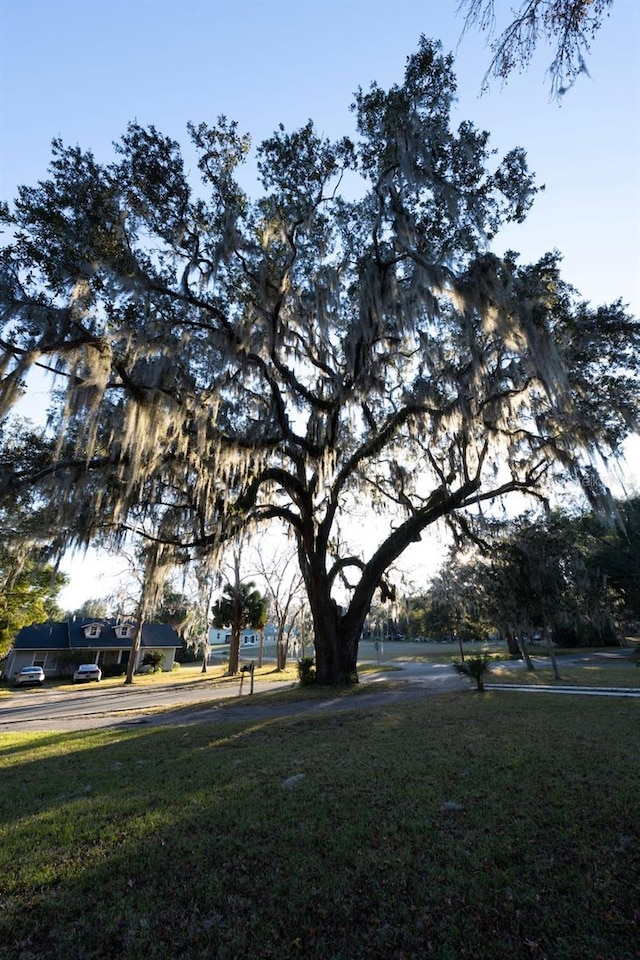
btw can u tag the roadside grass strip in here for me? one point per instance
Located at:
(620, 676)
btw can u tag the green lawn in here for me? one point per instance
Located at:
(458, 826)
(621, 675)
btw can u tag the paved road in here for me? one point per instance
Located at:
(82, 708)
(93, 707)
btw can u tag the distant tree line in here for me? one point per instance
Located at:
(572, 576)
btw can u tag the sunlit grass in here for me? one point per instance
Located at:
(623, 676)
(459, 826)
(436, 652)
(188, 675)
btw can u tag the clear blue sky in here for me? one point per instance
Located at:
(81, 69)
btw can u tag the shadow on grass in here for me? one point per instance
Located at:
(439, 828)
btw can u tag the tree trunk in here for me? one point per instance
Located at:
(281, 648)
(524, 646)
(337, 633)
(234, 650)
(336, 651)
(205, 652)
(512, 645)
(336, 638)
(137, 641)
(236, 621)
(552, 654)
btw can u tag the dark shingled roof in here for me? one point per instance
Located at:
(69, 635)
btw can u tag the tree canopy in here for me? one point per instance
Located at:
(613, 553)
(537, 583)
(29, 582)
(28, 594)
(571, 574)
(344, 337)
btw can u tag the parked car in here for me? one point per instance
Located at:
(87, 672)
(29, 675)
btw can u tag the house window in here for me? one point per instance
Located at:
(40, 658)
(92, 631)
(124, 630)
(108, 658)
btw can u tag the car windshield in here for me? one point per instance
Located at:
(30, 670)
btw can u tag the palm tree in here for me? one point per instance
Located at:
(240, 606)
(474, 667)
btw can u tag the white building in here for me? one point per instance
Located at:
(248, 638)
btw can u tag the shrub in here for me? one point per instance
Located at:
(474, 667)
(114, 670)
(154, 660)
(307, 671)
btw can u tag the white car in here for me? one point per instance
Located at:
(87, 671)
(29, 675)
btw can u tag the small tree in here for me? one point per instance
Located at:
(612, 554)
(153, 659)
(201, 619)
(306, 671)
(474, 667)
(188, 609)
(154, 560)
(278, 568)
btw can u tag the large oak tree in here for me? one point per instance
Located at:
(344, 337)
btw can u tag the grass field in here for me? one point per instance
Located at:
(619, 676)
(451, 827)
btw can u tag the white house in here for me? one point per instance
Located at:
(248, 638)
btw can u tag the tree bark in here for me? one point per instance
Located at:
(281, 649)
(234, 650)
(552, 654)
(524, 646)
(512, 645)
(137, 639)
(336, 657)
(236, 620)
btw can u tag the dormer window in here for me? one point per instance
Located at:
(92, 631)
(124, 631)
